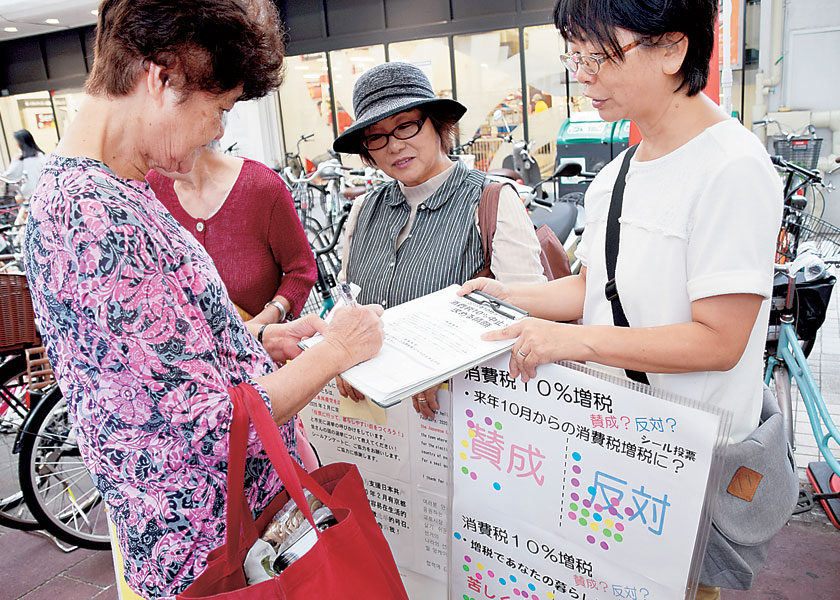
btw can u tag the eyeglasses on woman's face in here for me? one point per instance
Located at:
(591, 63)
(403, 131)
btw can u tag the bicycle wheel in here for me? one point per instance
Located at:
(781, 382)
(55, 482)
(14, 408)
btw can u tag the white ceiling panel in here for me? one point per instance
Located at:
(29, 16)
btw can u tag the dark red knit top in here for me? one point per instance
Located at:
(255, 238)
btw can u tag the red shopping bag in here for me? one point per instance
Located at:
(351, 559)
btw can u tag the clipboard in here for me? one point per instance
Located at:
(428, 340)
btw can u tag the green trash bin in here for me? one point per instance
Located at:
(620, 136)
(587, 139)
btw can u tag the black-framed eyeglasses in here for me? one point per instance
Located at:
(589, 63)
(403, 131)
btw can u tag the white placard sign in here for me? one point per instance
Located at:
(574, 486)
(405, 464)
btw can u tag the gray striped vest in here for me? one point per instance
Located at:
(444, 246)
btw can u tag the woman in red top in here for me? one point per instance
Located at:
(242, 213)
(244, 216)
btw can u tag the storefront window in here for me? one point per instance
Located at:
(33, 112)
(67, 104)
(488, 79)
(430, 55)
(347, 66)
(305, 104)
(546, 79)
(577, 101)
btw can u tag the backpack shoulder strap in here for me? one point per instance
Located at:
(613, 236)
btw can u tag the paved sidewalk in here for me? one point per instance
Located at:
(803, 562)
(33, 568)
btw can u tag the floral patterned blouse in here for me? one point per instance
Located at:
(145, 344)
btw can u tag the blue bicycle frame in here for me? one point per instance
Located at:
(789, 354)
(329, 303)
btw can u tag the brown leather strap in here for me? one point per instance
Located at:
(488, 208)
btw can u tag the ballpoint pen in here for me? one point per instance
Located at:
(347, 294)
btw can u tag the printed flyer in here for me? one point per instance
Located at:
(404, 462)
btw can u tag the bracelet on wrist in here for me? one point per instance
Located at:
(261, 331)
(279, 306)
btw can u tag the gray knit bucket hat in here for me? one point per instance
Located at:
(386, 90)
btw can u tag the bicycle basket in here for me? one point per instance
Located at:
(822, 235)
(17, 318)
(803, 151)
(810, 303)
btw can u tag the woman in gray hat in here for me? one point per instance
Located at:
(419, 233)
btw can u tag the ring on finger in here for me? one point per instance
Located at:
(522, 354)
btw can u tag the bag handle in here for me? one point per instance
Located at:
(248, 403)
(613, 236)
(237, 505)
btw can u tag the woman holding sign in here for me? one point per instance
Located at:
(695, 212)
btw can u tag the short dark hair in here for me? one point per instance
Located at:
(444, 124)
(596, 20)
(28, 147)
(211, 45)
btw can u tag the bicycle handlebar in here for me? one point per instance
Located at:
(794, 168)
(287, 171)
(467, 144)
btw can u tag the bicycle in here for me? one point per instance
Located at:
(293, 160)
(302, 189)
(797, 181)
(333, 174)
(794, 321)
(17, 334)
(27, 423)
